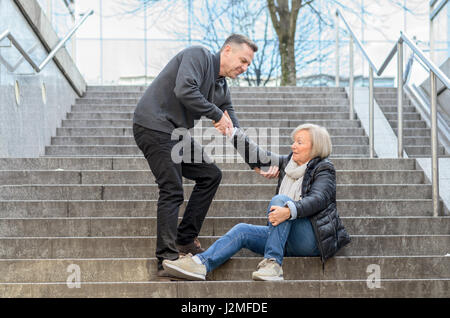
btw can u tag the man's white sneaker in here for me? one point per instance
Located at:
(185, 267)
(268, 270)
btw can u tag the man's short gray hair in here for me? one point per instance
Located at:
(240, 39)
(320, 139)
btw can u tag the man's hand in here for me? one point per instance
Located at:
(279, 214)
(224, 125)
(273, 172)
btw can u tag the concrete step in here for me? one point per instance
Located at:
(247, 94)
(391, 101)
(245, 108)
(236, 269)
(413, 132)
(392, 95)
(393, 109)
(139, 163)
(116, 88)
(18, 177)
(144, 246)
(127, 88)
(423, 151)
(395, 288)
(246, 123)
(225, 191)
(406, 116)
(214, 149)
(239, 208)
(128, 131)
(288, 95)
(409, 123)
(241, 115)
(204, 139)
(213, 226)
(236, 101)
(417, 141)
(295, 89)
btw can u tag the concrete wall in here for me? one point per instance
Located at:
(26, 127)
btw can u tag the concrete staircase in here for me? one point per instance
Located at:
(90, 204)
(416, 133)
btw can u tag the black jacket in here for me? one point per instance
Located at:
(188, 88)
(318, 201)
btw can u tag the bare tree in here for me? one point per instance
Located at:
(284, 15)
(215, 20)
(292, 45)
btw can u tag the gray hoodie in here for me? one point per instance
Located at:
(188, 88)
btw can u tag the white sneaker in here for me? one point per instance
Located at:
(268, 270)
(185, 267)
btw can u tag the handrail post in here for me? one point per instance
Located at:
(351, 80)
(434, 145)
(337, 49)
(431, 35)
(371, 114)
(400, 99)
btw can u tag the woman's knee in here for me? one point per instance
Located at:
(279, 200)
(242, 232)
(239, 229)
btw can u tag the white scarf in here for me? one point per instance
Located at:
(292, 181)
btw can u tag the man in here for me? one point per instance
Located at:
(190, 86)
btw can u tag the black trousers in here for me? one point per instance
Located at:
(164, 161)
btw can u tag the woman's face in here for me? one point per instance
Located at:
(301, 147)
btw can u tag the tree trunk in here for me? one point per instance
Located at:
(285, 22)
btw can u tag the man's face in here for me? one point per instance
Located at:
(235, 59)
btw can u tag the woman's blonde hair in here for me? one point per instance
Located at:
(320, 139)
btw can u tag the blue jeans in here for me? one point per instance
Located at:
(290, 238)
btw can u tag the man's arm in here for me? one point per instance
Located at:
(191, 74)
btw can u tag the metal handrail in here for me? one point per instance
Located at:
(39, 68)
(435, 73)
(356, 40)
(439, 7)
(433, 67)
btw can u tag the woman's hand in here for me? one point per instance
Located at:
(273, 172)
(279, 214)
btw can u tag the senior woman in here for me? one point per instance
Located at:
(302, 216)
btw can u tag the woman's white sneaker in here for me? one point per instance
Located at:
(185, 267)
(268, 270)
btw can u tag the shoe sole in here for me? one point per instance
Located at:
(168, 279)
(267, 278)
(179, 272)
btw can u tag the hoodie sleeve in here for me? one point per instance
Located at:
(253, 155)
(191, 74)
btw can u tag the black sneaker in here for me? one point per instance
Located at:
(164, 276)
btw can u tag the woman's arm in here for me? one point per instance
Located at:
(253, 155)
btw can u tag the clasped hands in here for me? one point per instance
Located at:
(224, 125)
